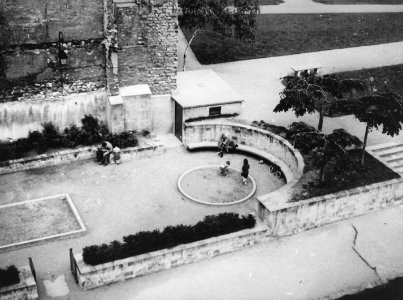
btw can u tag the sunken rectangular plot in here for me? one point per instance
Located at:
(27, 223)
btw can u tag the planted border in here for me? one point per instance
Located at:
(150, 241)
(90, 277)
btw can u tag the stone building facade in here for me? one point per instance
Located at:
(146, 33)
(110, 44)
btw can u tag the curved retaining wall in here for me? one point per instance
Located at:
(248, 138)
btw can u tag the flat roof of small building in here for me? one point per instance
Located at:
(203, 88)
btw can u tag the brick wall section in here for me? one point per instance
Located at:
(148, 35)
(91, 277)
(303, 215)
(39, 21)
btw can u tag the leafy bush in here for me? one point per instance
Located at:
(9, 276)
(90, 133)
(148, 241)
(123, 140)
(52, 137)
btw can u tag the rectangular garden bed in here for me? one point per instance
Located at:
(36, 221)
(90, 277)
(25, 289)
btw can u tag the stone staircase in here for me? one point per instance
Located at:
(391, 154)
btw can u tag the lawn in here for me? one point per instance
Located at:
(359, 1)
(393, 75)
(392, 290)
(285, 34)
(270, 2)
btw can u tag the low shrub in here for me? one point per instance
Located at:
(90, 133)
(9, 276)
(149, 241)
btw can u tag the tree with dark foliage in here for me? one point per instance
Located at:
(231, 18)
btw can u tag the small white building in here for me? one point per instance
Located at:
(202, 94)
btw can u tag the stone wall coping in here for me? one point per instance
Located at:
(61, 98)
(84, 268)
(135, 90)
(296, 153)
(26, 281)
(273, 206)
(115, 100)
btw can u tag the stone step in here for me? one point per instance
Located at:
(396, 164)
(398, 169)
(393, 158)
(393, 151)
(381, 147)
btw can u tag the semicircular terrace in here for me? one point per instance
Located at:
(256, 141)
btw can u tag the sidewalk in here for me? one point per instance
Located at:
(308, 7)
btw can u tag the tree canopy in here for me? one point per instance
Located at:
(323, 148)
(376, 110)
(309, 93)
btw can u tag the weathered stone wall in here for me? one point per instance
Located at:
(39, 21)
(148, 35)
(72, 155)
(294, 217)
(91, 277)
(17, 118)
(86, 62)
(25, 290)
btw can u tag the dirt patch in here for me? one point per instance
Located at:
(36, 219)
(207, 185)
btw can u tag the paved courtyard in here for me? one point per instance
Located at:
(141, 195)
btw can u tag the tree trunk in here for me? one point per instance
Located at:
(365, 144)
(320, 125)
(187, 47)
(322, 173)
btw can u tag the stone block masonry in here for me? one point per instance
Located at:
(39, 21)
(148, 37)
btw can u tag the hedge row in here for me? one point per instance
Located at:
(9, 276)
(90, 133)
(149, 241)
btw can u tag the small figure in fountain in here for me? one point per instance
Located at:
(225, 144)
(224, 168)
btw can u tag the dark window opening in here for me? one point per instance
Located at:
(214, 111)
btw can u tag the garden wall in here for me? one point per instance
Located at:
(17, 118)
(25, 290)
(67, 156)
(90, 277)
(291, 218)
